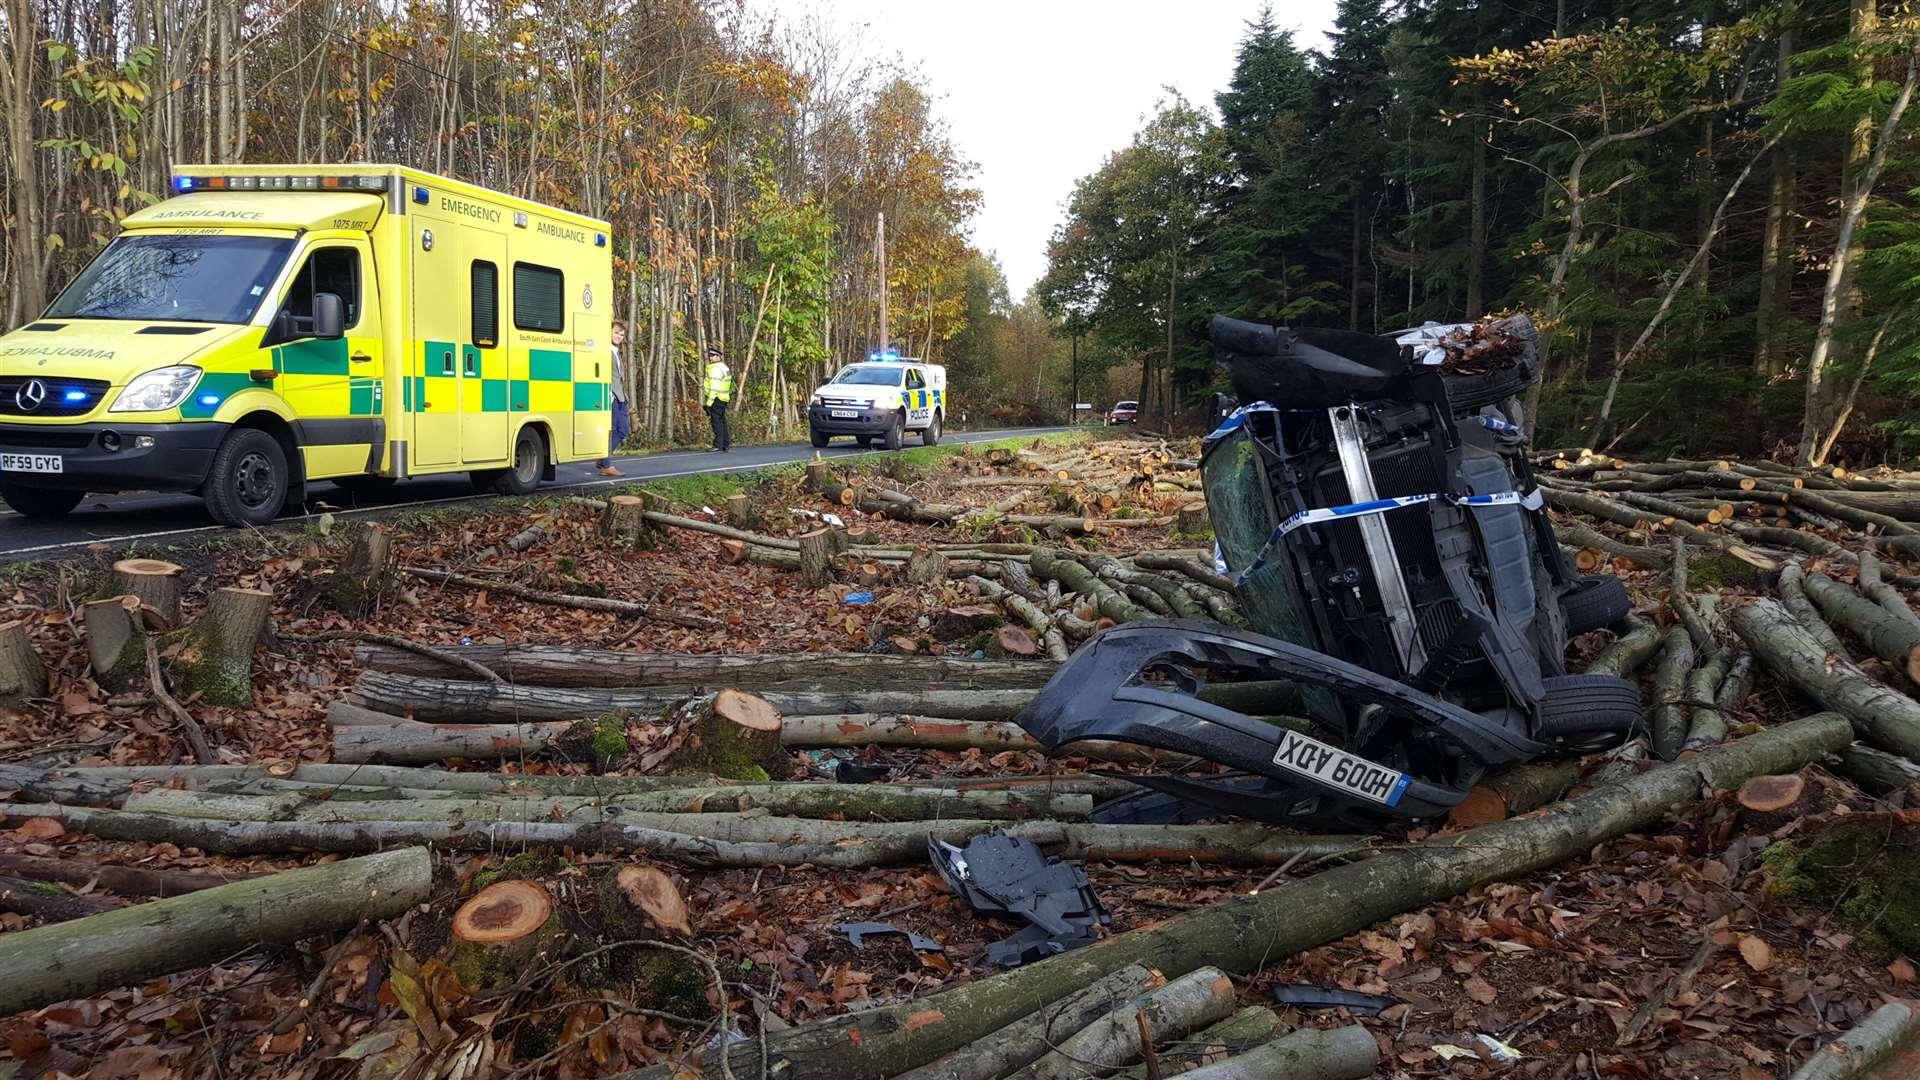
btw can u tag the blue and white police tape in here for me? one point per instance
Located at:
(1532, 500)
(1236, 418)
(1494, 424)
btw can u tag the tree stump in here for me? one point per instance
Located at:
(837, 540)
(926, 566)
(816, 556)
(731, 734)
(622, 521)
(116, 644)
(505, 930)
(1861, 869)
(642, 904)
(654, 503)
(1768, 794)
(357, 585)
(216, 658)
(1192, 520)
(966, 620)
(817, 475)
(22, 675)
(156, 583)
(839, 492)
(741, 512)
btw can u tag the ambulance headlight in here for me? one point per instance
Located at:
(158, 390)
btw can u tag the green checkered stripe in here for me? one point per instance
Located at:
(506, 395)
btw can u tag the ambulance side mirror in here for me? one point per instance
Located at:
(329, 316)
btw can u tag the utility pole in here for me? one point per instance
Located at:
(880, 242)
(1073, 367)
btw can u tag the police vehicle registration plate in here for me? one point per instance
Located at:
(847, 414)
(1350, 773)
(40, 463)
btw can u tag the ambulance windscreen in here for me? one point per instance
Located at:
(219, 279)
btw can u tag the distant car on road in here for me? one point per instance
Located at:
(1124, 412)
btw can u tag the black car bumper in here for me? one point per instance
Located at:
(863, 421)
(112, 457)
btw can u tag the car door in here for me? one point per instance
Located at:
(916, 398)
(334, 387)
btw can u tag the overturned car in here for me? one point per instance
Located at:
(1373, 502)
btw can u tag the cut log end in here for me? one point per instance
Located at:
(1913, 664)
(1587, 560)
(503, 911)
(748, 710)
(1766, 794)
(733, 552)
(652, 892)
(1014, 641)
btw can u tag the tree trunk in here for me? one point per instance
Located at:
(1347, 1053)
(22, 674)
(124, 880)
(1884, 1033)
(215, 658)
(1626, 653)
(1885, 718)
(50, 902)
(116, 644)
(1875, 771)
(1792, 586)
(1776, 267)
(1888, 636)
(926, 566)
(622, 522)
(1026, 1039)
(1874, 585)
(922, 732)
(407, 743)
(1195, 1000)
(584, 603)
(1669, 721)
(80, 958)
(357, 586)
(816, 557)
(1252, 932)
(476, 702)
(157, 585)
(561, 666)
(729, 734)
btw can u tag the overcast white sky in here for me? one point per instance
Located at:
(1038, 92)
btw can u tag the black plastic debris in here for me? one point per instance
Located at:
(1009, 877)
(849, 772)
(1309, 996)
(858, 932)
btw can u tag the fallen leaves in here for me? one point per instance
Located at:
(1757, 953)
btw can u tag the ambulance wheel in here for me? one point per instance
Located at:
(931, 436)
(248, 482)
(820, 438)
(40, 502)
(529, 456)
(898, 432)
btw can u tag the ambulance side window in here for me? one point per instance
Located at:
(914, 379)
(486, 304)
(328, 269)
(539, 298)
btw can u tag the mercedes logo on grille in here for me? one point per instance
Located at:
(31, 395)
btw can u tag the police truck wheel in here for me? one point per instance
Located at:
(248, 482)
(529, 457)
(931, 436)
(898, 432)
(40, 502)
(865, 441)
(820, 438)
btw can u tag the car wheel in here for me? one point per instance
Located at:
(529, 458)
(1588, 712)
(1594, 601)
(931, 436)
(1468, 394)
(820, 438)
(41, 502)
(897, 433)
(248, 482)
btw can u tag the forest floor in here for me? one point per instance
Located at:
(1552, 965)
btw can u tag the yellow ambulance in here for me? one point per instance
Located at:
(271, 325)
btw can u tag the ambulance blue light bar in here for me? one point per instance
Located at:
(372, 182)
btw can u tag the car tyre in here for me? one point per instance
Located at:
(1588, 712)
(897, 433)
(41, 502)
(529, 460)
(931, 436)
(248, 483)
(1594, 601)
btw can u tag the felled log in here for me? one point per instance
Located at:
(116, 643)
(584, 603)
(1022, 608)
(453, 700)
(1885, 634)
(1871, 1041)
(505, 930)
(1768, 794)
(1186, 1004)
(1248, 933)
(125, 880)
(1344, 1053)
(941, 733)
(1709, 723)
(214, 654)
(1669, 719)
(1248, 1027)
(80, 958)
(22, 673)
(356, 587)
(558, 665)
(1792, 586)
(1075, 577)
(926, 566)
(1632, 517)
(1024, 1040)
(50, 902)
(1883, 594)
(1638, 555)
(1877, 772)
(712, 839)
(900, 506)
(1885, 718)
(730, 734)
(156, 583)
(1201, 574)
(409, 743)
(1624, 655)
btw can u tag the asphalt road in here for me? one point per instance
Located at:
(165, 519)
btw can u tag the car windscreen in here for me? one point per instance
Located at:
(1126, 405)
(868, 376)
(220, 279)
